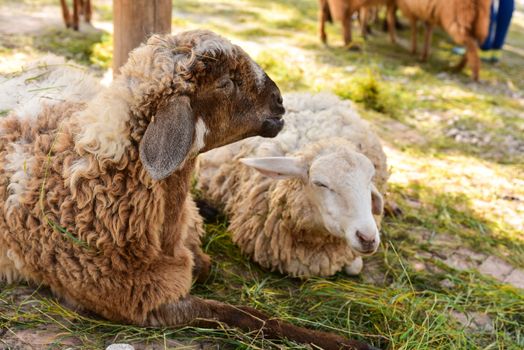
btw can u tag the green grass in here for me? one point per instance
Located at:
(78, 46)
(409, 311)
(456, 154)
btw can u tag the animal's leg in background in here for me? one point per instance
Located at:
(363, 15)
(346, 27)
(211, 314)
(65, 13)
(390, 14)
(81, 8)
(472, 57)
(76, 9)
(323, 15)
(413, 22)
(427, 41)
(87, 11)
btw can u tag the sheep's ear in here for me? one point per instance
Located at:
(168, 138)
(278, 167)
(377, 202)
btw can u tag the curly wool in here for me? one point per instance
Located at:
(80, 213)
(270, 219)
(151, 73)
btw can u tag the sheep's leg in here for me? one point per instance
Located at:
(195, 231)
(202, 262)
(427, 41)
(87, 11)
(65, 13)
(472, 57)
(346, 28)
(413, 22)
(76, 9)
(355, 267)
(391, 23)
(364, 19)
(211, 314)
(81, 8)
(323, 16)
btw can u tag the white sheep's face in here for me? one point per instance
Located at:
(339, 188)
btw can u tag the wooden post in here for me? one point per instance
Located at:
(134, 21)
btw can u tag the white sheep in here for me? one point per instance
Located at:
(94, 188)
(304, 203)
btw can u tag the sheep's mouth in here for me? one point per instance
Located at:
(365, 252)
(272, 126)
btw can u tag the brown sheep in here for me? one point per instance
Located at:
(342, 10)
(466, 21)
(95, 194)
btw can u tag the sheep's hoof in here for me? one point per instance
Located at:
(355, 267)
(353, 47)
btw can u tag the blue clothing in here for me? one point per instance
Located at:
(500, 19)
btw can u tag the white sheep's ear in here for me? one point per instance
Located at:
(278, 167)
(168, 138)
(377, 202)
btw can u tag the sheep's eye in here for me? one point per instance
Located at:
(320, 184)
(225, 84)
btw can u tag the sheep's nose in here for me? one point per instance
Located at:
(277, 98)
(278, 102)
(367, 241)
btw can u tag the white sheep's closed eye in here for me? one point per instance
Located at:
(320, 184)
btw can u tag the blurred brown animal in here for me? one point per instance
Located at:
(342, 10)
(366, 16)
(80, 7)
(466, 21)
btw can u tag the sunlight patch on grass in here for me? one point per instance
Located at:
(371, 91)
(69, 43)
(466, 196)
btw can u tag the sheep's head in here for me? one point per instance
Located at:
(337, 183)
(201, 92)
